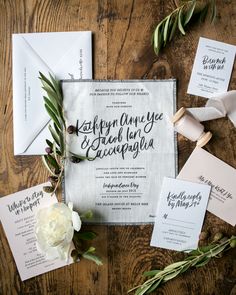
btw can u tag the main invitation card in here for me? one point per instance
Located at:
(123, 127)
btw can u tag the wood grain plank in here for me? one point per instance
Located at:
(122, 50)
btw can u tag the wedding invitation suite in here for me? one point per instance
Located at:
(17, 214)
(66, 55)
(202, 167)
(212, 68)
(180, 213)
(124, 128)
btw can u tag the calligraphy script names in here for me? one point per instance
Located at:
(130, 135)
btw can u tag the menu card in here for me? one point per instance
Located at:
(17, 214)
(180, 213)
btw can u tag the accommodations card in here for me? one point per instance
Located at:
(124, 128)
(212, 68)
(205, 168)
(180, 213)
(17, 214)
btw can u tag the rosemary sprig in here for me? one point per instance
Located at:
(196, 258)
(179, 19)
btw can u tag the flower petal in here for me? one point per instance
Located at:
(70, 206)
(76, 221)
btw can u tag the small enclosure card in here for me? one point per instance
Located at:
(180, 213)
(123, 127)
(17, 214)
(203, 167)
(212, 68)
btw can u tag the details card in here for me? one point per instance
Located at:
(202, 167)
(17, 214)
(212, 68)
(180, 213)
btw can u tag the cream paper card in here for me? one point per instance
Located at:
(212, 68)
(17, 214)
(203, 167)
(180, 213)
(125, 127)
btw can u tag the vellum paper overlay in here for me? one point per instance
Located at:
(124, 127)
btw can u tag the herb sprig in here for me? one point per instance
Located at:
(179, 19)
(196, 258)
(56, 155)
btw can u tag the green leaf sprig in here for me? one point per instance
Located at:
(89, 253)
(55, 158)
(179, 19)
(56, 151)
(195, 258)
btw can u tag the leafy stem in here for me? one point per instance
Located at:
(195, 258)
(179, 19)
(56, 155)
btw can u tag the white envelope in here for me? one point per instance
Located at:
(66, 55)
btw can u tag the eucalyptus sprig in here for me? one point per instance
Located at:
(179, 19)
(195, 258)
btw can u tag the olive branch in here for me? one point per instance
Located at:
(196, 258)
(56, 155)
(179, 19)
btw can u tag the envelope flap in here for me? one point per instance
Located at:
(28, 104)
(51, 47)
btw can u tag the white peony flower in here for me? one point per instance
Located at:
(54, 230)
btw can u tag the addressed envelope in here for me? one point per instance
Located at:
(63, 54)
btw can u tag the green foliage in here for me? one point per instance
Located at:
(178, 19)
(196, 258)
(54, 160)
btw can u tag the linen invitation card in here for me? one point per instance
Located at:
(124, 128)
(180, 213)
(17, 214)
(66, 55)
(212, 68)
(203, 167)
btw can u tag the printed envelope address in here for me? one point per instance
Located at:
(180, 214)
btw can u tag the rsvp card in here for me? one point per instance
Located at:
(203, 167)
(180, 213)
(17, 214)
(212, 68)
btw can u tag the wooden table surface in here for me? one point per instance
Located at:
(121, 50)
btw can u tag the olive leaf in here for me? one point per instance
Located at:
(180, 18)
(89, 235)
(93, 257)
(46, 164)
(151, 272)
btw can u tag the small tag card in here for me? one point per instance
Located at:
(212, 68)
(202, 167)
(180, 213)
(17, 214)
